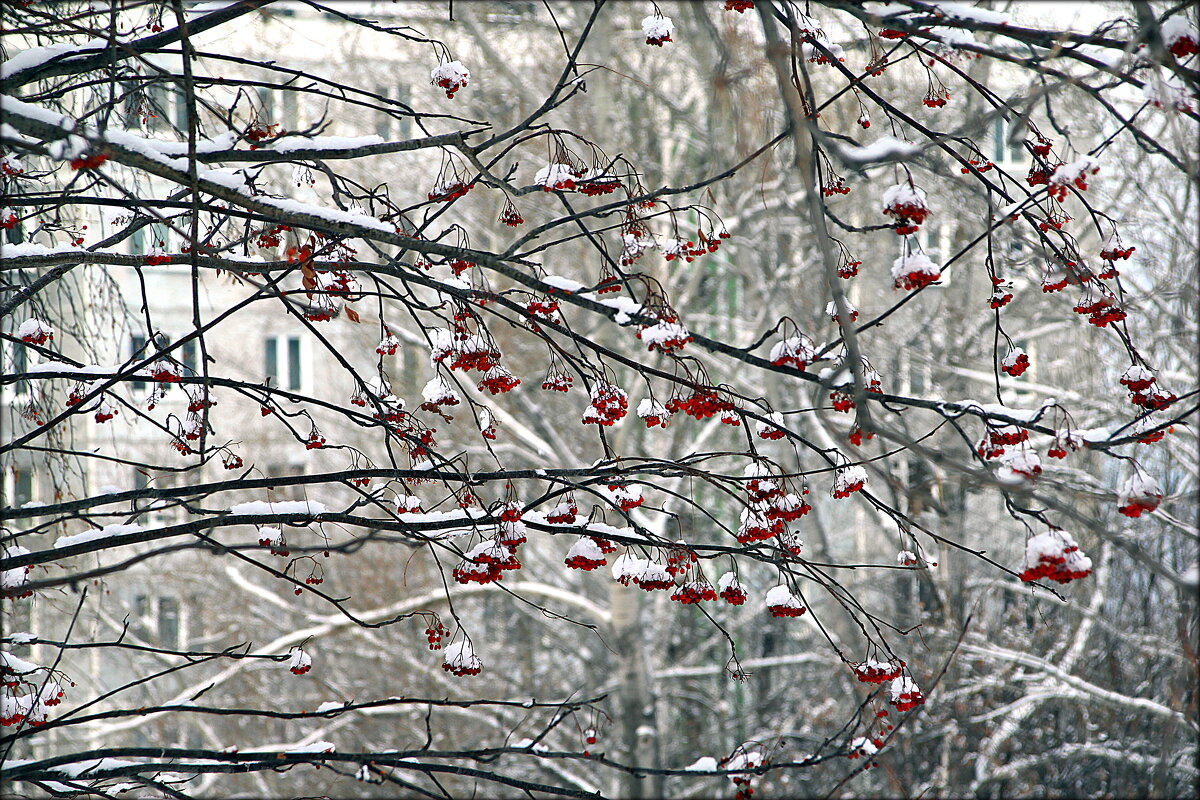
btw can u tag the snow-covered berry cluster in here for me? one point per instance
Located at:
(657, 29)
(782, 603)
(450, 76)
(609, 404)
(1139, 493)
(907, 204)
(1054, 555)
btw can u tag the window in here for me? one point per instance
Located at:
(19, 618)
(283, 362)
(271, 358)
(387, 125)
(933, 239)
(285, 489)
(137, 242)
(20, 366)
(266, 100)
(158, 104)
(294, 362)
(1031, 349)
(147, 237)
(927, 240)
(513, 12)
(181, 114)
(404, 124)
(383, 121)
(22, 486)
(137, 351)
(15, 234)
(289, 116)
(131, 103)
(720, 285)
(157, 620)
(140, 481)
(160, 236)
(1007, 139)
(141, 610)
(168, 622)
(189, 356)
(168, 512)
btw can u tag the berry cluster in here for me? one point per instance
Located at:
(564, 513)
(904, 694)
(609, 404)
(908, 205)
(585, 555)
(1054, 555)
(498, 379)
(849, 480)
(694, 592)
(557, 381)
(782, 603)
(701, 404)
(450, 76)
(872, 671)
(1015, 363)
(300, 662)
(1140, 493)
(1002, 293)
(434, 635)
(730, 590)
(510, 216)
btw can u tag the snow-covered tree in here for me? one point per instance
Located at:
(598, 398)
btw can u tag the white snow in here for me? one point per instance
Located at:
(1013, 356)
(554, 175)
(97, 533)
(536, 747)
(214, 5)
(811, 53)
(1066, 173)
(300, 660)
(460, 653)
(16, 666)
(997, 410)
(92, 370)
(885, 148)
(1178, 27)
(971, 13)
(649, 407)
(306, 508)
(11, 251)
(864, 745)
(587, 548)
(452, 71)
(781, 596)
(1019, 465)
(793, 347)
(90, 768)
(1134, 374)
(34, 327)
(1094, 434)
(287, 144)
(1139, 486)
(655, 27)
(36, 56)
(904, 194)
